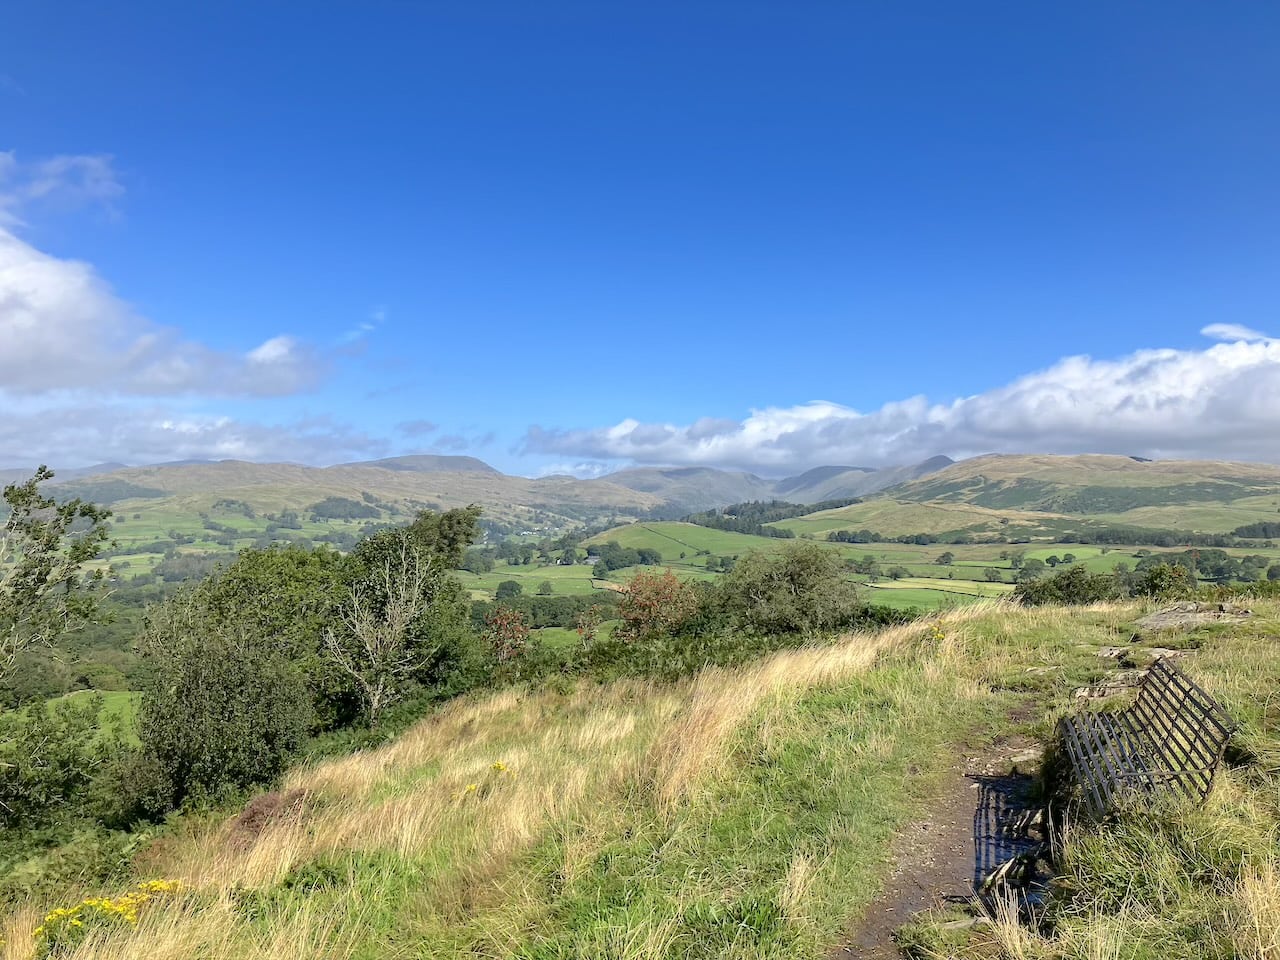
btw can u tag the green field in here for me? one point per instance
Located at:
(893, 518)
(927, 584)
(576, 580)
(119, 711)
(677, 541)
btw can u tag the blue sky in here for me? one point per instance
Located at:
(570, 236)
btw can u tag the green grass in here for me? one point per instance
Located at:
(118, 714)
(573, 580)
(1172, 881)
(744, 815)
(671, 539)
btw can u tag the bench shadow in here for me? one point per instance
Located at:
(1009, 835)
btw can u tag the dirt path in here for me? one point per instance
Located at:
(940, 859)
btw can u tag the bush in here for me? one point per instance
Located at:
(654, 604)
(48, 755)
(799, 589)
(225, 709)
(1164, 581)
(1075, 585)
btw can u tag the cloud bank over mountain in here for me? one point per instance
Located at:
(1221, 402)
(85, 377)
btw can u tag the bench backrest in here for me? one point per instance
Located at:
(1189, 726)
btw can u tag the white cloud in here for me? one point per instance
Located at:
(84, 377)
(1232, 332)
(62, 327)
(1220, 402)
(65, 181)
(75, 432)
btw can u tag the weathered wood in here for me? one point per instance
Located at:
(1172, 737)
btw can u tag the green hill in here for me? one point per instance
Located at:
(748, 812)
(1115, 487)
(892, 518)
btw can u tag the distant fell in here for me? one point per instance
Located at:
(694, 488)
(813, 477)
(834, 483)
(1089, 484)
(427, 463)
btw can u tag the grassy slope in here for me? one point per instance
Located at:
(743, 814)
(1206, 496)
(671, 539)
(893, 518)
(1174, 882)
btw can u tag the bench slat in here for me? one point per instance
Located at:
(1173, 736)
(1176, 735)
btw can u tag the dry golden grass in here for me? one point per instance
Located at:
(563, 758)
(1257, 896)
(482, 782)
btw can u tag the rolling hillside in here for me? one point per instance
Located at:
(1093, 485)
(266, 487)
(746, 812)
(834, 483)
(694, 488)
(891, 518)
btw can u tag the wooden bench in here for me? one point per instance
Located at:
(1172, 737)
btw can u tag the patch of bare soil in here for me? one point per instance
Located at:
(970, 830)
(246, 826)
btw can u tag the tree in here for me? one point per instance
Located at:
(507, 632)
(285, 598)
(946, 558)
(589, 625)
(799, 589)
(994, 574)
(380, 641)
(898, 572)
(1053, 560)
(1031, 569)
(1273, 572)
(49, 755)
(654, 603)
(545, 589)
(44, 546)
(1074, 585)
(508, 589)
(224, 707)
(1164, 580)
(569, 556)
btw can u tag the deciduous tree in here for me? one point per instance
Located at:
(45, 590)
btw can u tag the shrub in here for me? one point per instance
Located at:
(654, 603)
(224, 709)
(1075, 585)
(1164, 581)
(507, 632)
(799, 589)
(48, 755)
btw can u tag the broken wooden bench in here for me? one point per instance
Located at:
(1172, 738)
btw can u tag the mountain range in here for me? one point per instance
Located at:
(1168, 493)
(454, 481)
